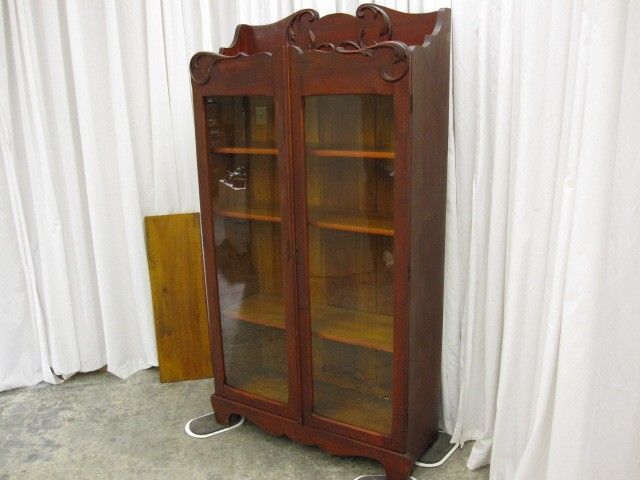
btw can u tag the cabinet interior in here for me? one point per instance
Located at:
(350, 233)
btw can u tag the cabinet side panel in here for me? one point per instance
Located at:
(429, 132)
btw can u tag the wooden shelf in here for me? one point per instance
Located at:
(317, 152)
(352, 407)
(262, 213)
(353, 327)
(261, 309)
(270, 386)
(321, 217)
(351, 221)
(377, 154)
(244, 150)
(337, 403)
(363, 329)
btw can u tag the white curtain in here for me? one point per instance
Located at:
(542, 305)
(547, 112)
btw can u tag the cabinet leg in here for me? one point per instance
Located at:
(223, 416)
(398, 468)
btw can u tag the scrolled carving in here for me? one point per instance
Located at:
(369, 16)
(202, 63)
(385, 31)
(385, 69)
(294, 25)
(299, 25)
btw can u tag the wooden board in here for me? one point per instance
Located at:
(179, 303)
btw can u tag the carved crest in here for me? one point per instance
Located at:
(297, 24)
(375, 34)
(202, 63)
(391, 70)
(378, 16)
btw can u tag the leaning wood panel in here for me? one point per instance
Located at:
(179, 302)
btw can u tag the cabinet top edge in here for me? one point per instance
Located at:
(307, 29)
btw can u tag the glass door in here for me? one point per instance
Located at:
(349, 158)
(245, 203)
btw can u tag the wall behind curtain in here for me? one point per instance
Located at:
(543, 233)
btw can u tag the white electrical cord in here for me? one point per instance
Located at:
(207, 435)
(437, 464)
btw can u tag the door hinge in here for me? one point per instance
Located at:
(411, 103)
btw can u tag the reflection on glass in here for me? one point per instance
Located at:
(245, 202)
(350, 172)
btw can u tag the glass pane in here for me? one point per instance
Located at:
(350, 169)
(245, 201)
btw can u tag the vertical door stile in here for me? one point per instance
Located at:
(283, 105)
(296, 125)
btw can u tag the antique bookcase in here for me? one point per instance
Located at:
(322, 146)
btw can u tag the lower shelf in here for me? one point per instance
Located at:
(352, 407)
(268, 386)
(369, 330)
(336, 403)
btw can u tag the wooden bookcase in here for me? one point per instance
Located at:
(322, 146)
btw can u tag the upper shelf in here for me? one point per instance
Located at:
(245, 150)
(268, 213)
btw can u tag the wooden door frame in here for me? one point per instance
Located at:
(253, 75)
(334, 73)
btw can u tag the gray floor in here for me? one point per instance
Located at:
(96, 426)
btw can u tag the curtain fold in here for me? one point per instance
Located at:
(541, 321)
(542, 108)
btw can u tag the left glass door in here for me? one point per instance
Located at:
(245, 203)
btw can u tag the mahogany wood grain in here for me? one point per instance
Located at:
(430, 77)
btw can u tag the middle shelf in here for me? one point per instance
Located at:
(321, 217)
(353, 327)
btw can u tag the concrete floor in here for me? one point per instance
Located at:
(96, 426)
